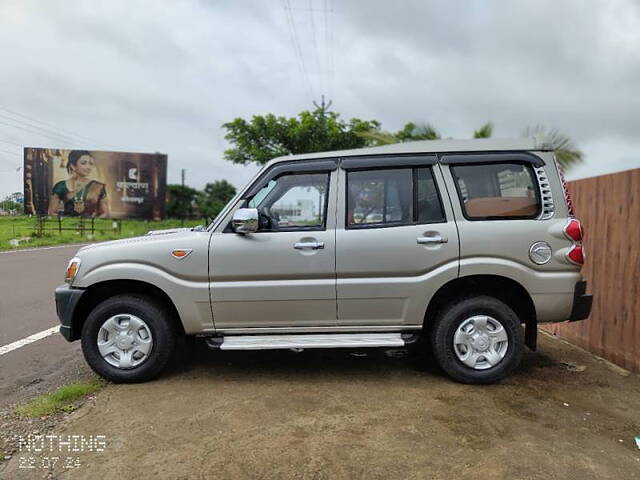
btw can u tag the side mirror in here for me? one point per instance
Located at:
(245, 220)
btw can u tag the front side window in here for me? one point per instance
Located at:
(292, 202)
(497, 191)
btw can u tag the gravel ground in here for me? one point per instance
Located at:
(354, 414)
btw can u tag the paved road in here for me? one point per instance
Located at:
(27, 281)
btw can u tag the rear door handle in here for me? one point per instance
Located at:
(432, 239)
(308, 245)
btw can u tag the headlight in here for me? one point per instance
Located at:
(72, 270)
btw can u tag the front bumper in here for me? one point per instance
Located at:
(581, 303)
(67, 299)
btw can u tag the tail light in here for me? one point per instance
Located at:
(576, 255)
(567, 196)
(573, 230)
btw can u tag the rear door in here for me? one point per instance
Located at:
(284, 274)
(504, 207)
(396, 240)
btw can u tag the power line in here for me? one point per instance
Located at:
(326, 44)
(36, 127)
(328, 18)
(64, 132)
(30, 130)
(11, 153)
(33, 126)
(307, 9)
(9, 160)
(296, 46)
(315, 43)
(11, 143)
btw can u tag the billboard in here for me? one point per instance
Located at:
(94, 183)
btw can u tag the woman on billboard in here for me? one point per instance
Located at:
(79, 195)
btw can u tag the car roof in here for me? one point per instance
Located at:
(432, 146)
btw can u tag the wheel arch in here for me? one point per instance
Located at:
(101, 291)
(503, 288)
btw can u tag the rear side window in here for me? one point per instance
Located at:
(379, 197)
(497, 191)
(428, 205)
(392, 197)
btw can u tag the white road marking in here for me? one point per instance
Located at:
(20, 250)
(30, 339)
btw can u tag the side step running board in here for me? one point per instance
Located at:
(318, 340)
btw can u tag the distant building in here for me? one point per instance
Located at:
(297, 212)
(16, 197)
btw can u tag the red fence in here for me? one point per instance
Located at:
(609, 209)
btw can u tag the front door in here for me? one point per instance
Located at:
(284, 274)
(397, 241)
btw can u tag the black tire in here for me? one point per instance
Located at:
(159, 323)
(452, 316)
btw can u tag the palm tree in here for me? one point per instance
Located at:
(567, 153)
(416, 131)
(421, 131)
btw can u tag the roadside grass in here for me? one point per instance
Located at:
(63, 399)
(22, 227)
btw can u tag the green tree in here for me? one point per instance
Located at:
(485, 131)
(409, 133)
(214, 197)
(9, 203)
(181, 201)
(266, 137)
(567, 153)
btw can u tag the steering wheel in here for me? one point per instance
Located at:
(265, 222)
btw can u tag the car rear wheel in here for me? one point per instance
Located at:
(477, 340)
(128, 338)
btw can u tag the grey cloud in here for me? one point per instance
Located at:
(164, 76)
(536, 61)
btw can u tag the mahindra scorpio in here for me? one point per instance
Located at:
(467, 245)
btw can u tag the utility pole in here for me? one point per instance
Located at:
(323, 107)
(182, 173)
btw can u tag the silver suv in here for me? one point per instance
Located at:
(454, 243)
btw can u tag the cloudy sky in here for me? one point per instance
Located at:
(151, 75)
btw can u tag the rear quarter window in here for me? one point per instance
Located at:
(497, 191)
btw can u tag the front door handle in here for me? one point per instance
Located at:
(308, 245)
(432, 239)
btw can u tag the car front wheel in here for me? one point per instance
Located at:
(128, 338)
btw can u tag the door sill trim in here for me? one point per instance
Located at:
(294, 330)
(314, 340)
